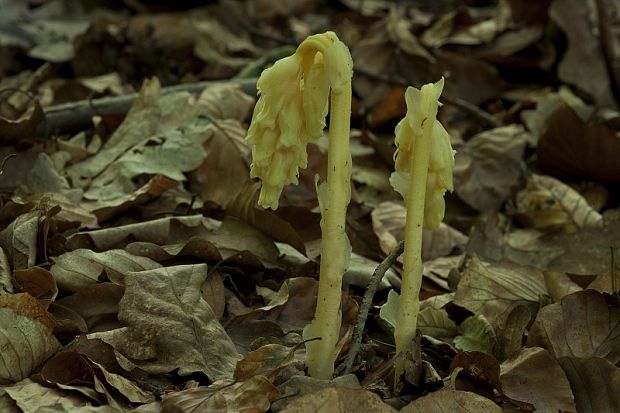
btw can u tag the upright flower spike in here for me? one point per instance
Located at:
(423, 161)
(291, 112)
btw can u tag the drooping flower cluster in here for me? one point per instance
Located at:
(422, 105)
(290, 112)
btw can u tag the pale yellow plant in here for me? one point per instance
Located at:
(423, 161)
(294, 97)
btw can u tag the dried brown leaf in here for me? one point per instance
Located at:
(169, 230)
(488, 167)
(549, 204)
(584, 62)
(26, 336)
(580, 325)
(595, 383)
(96, 304)
(213, 293)
(534, 379)
(19, 240)
(493, 290)
(252, 395)
(6, 285)
(13, 130)
(33, 397)
(337, 400)
(164, 312)
(570, 147)
(225, 169)
(559, 285)
(82, 267)
(448, 401)
(36, 281)
(388, 222)
(265, 361)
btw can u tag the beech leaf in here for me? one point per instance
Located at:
(580, 325)
(171, 327)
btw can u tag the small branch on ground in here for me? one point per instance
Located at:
(76, 116)
(375, 279)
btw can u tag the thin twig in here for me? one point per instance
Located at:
(369, 294)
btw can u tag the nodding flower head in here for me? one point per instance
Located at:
(422, 105)
(290, 112)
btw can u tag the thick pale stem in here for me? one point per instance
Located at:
(409, 303)
(321, 354)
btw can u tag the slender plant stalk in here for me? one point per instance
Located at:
(409, 303)
(321, 354)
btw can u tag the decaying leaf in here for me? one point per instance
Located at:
(161, 135)
(36, 281)
(171, 327)
(252, 395)
(549, 204)
(337, 400)
(79, 268)
(26, 336)
(595, 383)
(96, 304)
(584, 62)
(493, 290)
(477, 334)
(570, 147)
(580, 325)
(448, 401)
(388, 222)
(535, 379)
(19, 239)
(265, 361)
(31, 397)
(6, 286)
(488, 167)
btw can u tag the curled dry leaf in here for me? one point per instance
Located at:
(19, 239)
(12, 130)
(161, 135)
(570, 147)
(36, 281)
(549, 204)
(478, 366)
(595, 383)
(106, 209)
(72, 371)
(534, 380)
(171, 327)
(489, 166)
(388, 222)
(376, 53)
(6, 285)
(196, 247)
(225, 169)
(26, 336)
(560, 285)
(252, 395)
(337, 400)
(448, 401)
(584, 63)
(265, 361)
(228, 101)
(82, 267)
(96, 304)
(31, 397)
(493, 290)
(580, 325)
